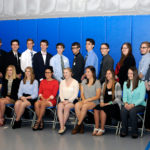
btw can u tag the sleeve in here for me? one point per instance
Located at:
(61, 91)
(55, 88)
(75, 91)
(125, 92)
(142, 91)
(35, 90)
(145, 67)
(35, 66)
(102, 96)
(23, 62)
(41, 88)
(118, 94)
(67, 63)
(20, 91)
(97, 84)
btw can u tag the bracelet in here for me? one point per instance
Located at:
(110, 102)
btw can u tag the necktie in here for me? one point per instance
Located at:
(16, 56)
(62, 64)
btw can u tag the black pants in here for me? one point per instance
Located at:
(147, 117)
(132, 114)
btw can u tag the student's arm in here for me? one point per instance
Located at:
(125, 100)
(35, 90)
(61, 91)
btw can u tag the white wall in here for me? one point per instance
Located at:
(21, 9)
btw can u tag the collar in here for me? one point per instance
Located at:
(43, 53)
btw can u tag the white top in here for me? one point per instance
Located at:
(44, 56)
(68, 92)
(26, 59)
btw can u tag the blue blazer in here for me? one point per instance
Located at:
(137, 96)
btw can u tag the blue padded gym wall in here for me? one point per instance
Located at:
(115, 30)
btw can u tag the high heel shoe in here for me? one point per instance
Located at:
(36, 126)
(41, 125)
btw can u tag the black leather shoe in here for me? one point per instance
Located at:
(134, 135)
(123, 134)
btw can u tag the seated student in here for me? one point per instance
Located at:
(10, 86)
(106, 63)
(27, 94)
(59, 62)
(126, 61)
(90, 94)
(69, 89)
(27, 55)
(110, 103)
(47, 94)
(134, 101)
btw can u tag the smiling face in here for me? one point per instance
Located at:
(67, 73)
(9, 71)
(44, 46)
(89, 46)
(15, 46)
(30, 45)
(144, 49)
(104, 49)
(130, 74)
(109, 75)
(75, 50)
(60, 49)
(88, 73)
(125, 50)
(48, 74)
(28, 73)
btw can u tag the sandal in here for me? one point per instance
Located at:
(95, 131)
(41, 125)
(62, 131)
(36, 126)
(100, 132)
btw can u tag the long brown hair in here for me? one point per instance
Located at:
(113, 84)
(123, 57)
(136, 78)
(32, 76)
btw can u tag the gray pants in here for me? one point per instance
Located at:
(132, 114)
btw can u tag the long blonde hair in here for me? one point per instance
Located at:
(13, 72)
(32, 75)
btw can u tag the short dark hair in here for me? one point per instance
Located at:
(76, 44)
(30, 40)
(91, 41)
(44, 41)
(106, 44)
(15, 40)
(49, 68)
(60, 44)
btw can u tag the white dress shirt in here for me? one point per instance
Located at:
(26, 59)
(44, 56)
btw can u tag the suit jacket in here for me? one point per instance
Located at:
(107, 63)
(78, 67)
(12, 60)
(128, 62)
(14, 89)
(39, 66)
(2, 61)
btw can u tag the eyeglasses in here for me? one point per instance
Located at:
(48, 72)
(143, 47)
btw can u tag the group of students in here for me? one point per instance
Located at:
(104, 96)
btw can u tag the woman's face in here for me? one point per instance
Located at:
(125, 50)
(28, 73)
(88, 73)
(67, 74)
(48, 74)
(10, 71)
(130, 74)
(109, 75)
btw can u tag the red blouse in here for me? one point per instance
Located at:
(117, 71)
(48, 88)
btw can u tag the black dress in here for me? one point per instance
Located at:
(112, 110)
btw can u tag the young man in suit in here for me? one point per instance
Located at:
(41, 61)
(78, 62)
(13, 57)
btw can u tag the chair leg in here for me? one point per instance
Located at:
(34, 118)
(55, 119)
(13, 120)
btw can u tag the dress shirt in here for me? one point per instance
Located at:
(44, 56)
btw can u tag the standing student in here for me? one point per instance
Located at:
(90, 94)
(110, 103)
(126, 61)
(59, 62)
(106, 63)
(13, 57)
(145, 60)
(91, 58)
(134, 102)
(41, 61)
(78, 62)
(10, 88)
(68, 94)
(27, 55)
(27, 94)
(47, 93)
(2, 64)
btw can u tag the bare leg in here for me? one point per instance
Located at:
(103, 119)
(78, 107)
(96, 118)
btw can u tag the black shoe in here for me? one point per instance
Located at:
(41, 125)
(134, 135)
(19, 124)
(36, 126)
(15, 125)
(123, 134)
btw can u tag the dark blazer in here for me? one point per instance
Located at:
(123, 72)
(78, 67)
(39, 66)
(2, 61)
(106, 63)
(12, 60)
(14, 89)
